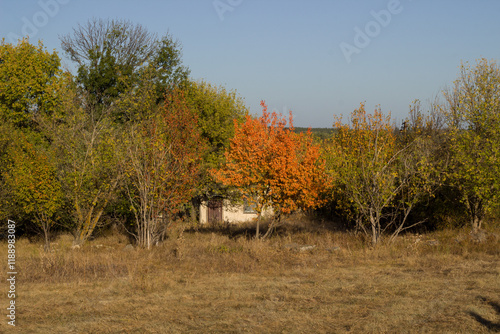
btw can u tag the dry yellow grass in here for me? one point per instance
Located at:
(204, 282)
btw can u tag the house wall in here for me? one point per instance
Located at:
(232, 213)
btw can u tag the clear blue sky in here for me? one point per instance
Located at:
(288, 52)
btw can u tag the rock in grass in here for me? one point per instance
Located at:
(300, 248)
(433, 242)
(306, 248)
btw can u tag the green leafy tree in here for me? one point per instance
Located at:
(113, 54)
(473, 118)
(167, 65)
(103, 79)
(216, 110)
(29, 79)
(421, 164)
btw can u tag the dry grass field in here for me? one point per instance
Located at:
(208, 282)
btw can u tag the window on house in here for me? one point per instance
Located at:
(248, 207)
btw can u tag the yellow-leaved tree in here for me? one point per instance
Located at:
(32, 179)
(362, 164)
(473, 116)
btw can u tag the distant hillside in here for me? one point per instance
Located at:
(318, 133)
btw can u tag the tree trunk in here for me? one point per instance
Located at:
(360, 227)
(375, 223)
(374, 235)
(257, 232)
(475, 208)
(476, 223)
(47, 242)
(86, 228)
(275, 222)
(46, 232)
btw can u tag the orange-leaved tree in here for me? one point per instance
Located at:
(273, 166)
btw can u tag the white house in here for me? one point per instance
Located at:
(222, 210)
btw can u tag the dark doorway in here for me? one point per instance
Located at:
(215, 211)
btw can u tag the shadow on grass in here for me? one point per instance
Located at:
(485, 322)
(247, 230)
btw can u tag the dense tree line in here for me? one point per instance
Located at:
(131, 138)
(128, 138)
